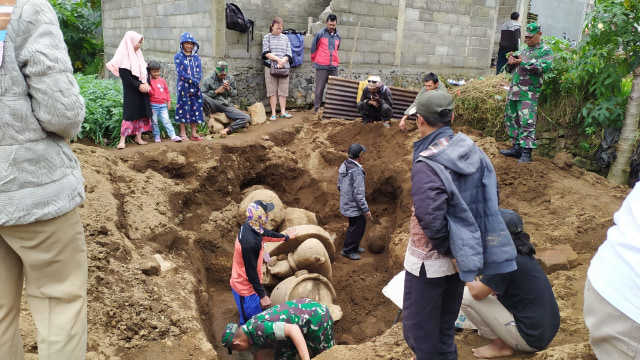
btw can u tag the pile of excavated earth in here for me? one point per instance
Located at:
(161, 220)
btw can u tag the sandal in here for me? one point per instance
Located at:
(273, 118)
(196, 138)
(184, 137)
(287, 115)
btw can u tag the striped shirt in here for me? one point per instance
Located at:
(278, 45)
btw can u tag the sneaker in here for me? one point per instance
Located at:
(385, 124)
(352, 256)
(158, 139)
(360, 250)
(176, 138)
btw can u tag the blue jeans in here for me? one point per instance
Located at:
(248, 306)
(161, 111)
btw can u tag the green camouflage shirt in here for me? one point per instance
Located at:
(266, 330)
(526, 83)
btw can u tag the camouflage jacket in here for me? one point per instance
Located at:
(526, 83)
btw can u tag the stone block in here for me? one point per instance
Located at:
(456, 30)
(258, 113)
(390, 11)
(430, 27)
(375, 35)
(166, 267)
(444, 29)
(414, 25)
(433, 6)
(456, 51)
(411, 14)
(441, 50)
(381, 22)
(388, 35)
(452, 19)
(439, 17)
(563, 160)
(446, 7)
(559, 257)
(294, 217)
(387, 58)
(214, 126)
(373, 11)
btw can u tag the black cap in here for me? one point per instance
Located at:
(266, 206)
(513, 221)
(355, 150)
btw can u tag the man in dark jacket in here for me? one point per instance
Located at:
(324, 54)
(509, 41)
(352, 202)
(376, 102)
(455, 227)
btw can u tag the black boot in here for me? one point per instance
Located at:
(526, 156)
(514, 152)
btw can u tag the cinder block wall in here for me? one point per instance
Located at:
(451, 37)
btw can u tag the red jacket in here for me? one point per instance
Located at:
(324, 50)
(159, 93)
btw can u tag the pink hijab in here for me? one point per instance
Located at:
(127, 58)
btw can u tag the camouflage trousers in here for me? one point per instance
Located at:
(520, 121)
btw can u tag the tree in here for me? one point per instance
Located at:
(610, 52)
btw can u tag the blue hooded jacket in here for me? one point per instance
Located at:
(188, 67)
(189, 70)
(477, 236)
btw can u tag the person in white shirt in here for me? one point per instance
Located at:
(611, 292)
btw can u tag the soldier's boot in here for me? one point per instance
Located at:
(514, 152)
(526, 156)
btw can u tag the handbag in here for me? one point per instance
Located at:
(278, 71)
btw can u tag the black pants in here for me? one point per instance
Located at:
(429, 312)
(371, 113)
(322, 76)
(501, 60)
(355, 232)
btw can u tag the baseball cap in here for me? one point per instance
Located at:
(532, 29)
(431, 103)
(513, 221)
(266, 206)
(355, 150)
(373, 82)
(222, 67)
(228, 335)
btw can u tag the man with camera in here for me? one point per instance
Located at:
(376, 102)
(217, 91)
(528, 67)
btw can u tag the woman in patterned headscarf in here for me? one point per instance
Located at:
(128, 63)
(246, 273)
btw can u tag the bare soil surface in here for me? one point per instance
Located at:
(181, 200)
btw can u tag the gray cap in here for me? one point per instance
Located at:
(431, 103)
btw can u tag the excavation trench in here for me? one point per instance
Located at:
(303, 177)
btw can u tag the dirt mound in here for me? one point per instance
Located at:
(181, 201)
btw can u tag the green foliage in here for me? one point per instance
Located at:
(81, 24)
(103, 109)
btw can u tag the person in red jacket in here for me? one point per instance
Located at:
(246, 271)
(324, 54)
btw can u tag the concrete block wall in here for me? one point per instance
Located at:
(451, 37)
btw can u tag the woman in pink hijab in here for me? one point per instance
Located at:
(128, 63)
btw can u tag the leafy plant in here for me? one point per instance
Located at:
(103, 109)
(81, 25)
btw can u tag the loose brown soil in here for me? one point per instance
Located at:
(181, 200)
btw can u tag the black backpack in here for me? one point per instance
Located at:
(236, 21)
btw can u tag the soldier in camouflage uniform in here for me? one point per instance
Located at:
(529, 64)
(299, 327)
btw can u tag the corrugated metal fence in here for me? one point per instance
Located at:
(341, 99)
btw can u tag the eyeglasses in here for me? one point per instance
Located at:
(372, 81)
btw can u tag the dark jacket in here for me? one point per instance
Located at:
(384, 95)
(456, 202)
(136, 105)
(324, 50)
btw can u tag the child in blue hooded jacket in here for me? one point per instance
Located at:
(189, 70)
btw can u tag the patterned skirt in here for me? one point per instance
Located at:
(133, 127)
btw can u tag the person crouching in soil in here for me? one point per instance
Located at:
(300, 327)
(516, 310)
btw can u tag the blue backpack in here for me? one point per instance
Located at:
(296, 39)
